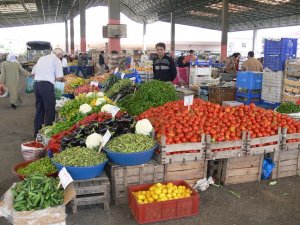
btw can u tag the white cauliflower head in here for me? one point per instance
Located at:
(100, 101)
(93, 140)
(90, 94)
(107, 108)
(100, 94)
(85, 108)
(143, 127)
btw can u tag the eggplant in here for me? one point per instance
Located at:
(66, 139)
(108, 122)
(82, 142)
(101, 130)
(75, 142)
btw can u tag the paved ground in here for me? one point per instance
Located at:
(259, 203)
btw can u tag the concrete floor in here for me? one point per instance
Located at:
(259, 203)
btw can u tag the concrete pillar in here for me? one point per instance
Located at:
(254, 39)
(225, 28)
(172, 34)
(72, 31)
(67, 36)
(114, 11)
(144, 36)
(82, 26)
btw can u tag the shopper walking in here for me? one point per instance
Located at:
(10, 77)
(102, 62)
(47, 70)
(80, 65)
(189, 58)
(164, 68)
(252, 64)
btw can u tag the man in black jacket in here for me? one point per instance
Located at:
(164, 68)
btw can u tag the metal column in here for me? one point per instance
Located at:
(172, 34)
(254, 39)
(67, 36)
(114, 11)
(72, 31)
(225, 28)
(144, 36)
(82, 26)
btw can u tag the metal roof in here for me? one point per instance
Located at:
(243, 14)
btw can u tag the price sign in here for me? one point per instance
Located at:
(114, 110)
(94, 83)
(188, 100)
(116, 70)
(65, 177)
(106, 138)
(123, 75)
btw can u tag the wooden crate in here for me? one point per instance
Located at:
(287, 97)
(292, 86)
(124, 176)
(288, 159)
(242, 170)
(223, 150)
(219, 94)
(92, 191)
(175, 152)
(191, 172)
(263, 145)
(292, 68)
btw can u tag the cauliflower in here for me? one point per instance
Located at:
(99, 101)
(143, 127)
(93, 140)
(107, 108)
(100, 94)
(85, 108)
(90, 94)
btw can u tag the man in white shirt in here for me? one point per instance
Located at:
(47, 70)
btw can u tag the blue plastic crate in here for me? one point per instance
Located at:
(248, 94)
(285, 46)
(247, 101)
(249, 80)
(267, 105)
(274, 62)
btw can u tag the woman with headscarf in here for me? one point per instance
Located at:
(10, 77)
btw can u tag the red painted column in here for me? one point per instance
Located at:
(114, 44)
(82, 26)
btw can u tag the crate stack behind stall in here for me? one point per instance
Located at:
(248, 87)
(276, 53)
(291, 88)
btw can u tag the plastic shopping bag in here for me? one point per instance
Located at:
(3, 91)
(267, 168)
(29, 84)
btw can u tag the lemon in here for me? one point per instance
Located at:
(140, 201)
(170, 191)
(162, 195)
(174, 195)
(158, 184)
(143, 192)
(165, 191)
(169, 196)
(151, 188)
(158, 191)
(141, 197)
(146, 202)
(169, 184)
(150, 200)
(155, 197)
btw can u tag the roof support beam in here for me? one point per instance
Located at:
(28, 11)
(43, 10)
(57, 9)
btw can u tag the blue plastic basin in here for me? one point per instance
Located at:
(84, 172)
(70, 96)
(130, 159)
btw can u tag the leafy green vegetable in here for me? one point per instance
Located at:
(150, 94)
(128, 143)
(288, 107)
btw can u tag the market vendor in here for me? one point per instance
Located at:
(189, 58)
(47, 70)
(252, 64)
(230, 64)
(164, 68)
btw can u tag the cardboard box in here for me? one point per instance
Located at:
(49, 216)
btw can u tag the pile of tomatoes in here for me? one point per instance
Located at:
(181, 125)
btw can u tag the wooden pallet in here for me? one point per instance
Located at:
(263, 145)
(174, 152)
(124, 176)
(292, 68)
(242, 170)
(191, 172)
(223, 150)
(288, 159)
(92, 191)
(289, 98)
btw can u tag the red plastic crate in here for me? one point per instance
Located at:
(158, 211)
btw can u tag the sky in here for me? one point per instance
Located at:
(16, 37)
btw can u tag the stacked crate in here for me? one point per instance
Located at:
(199, 75)
(276, 52)
(272, 83)
(248, 86)
(291, 90)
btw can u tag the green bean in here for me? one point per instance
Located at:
(128, 143)
(78, 156)
(288, 107)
